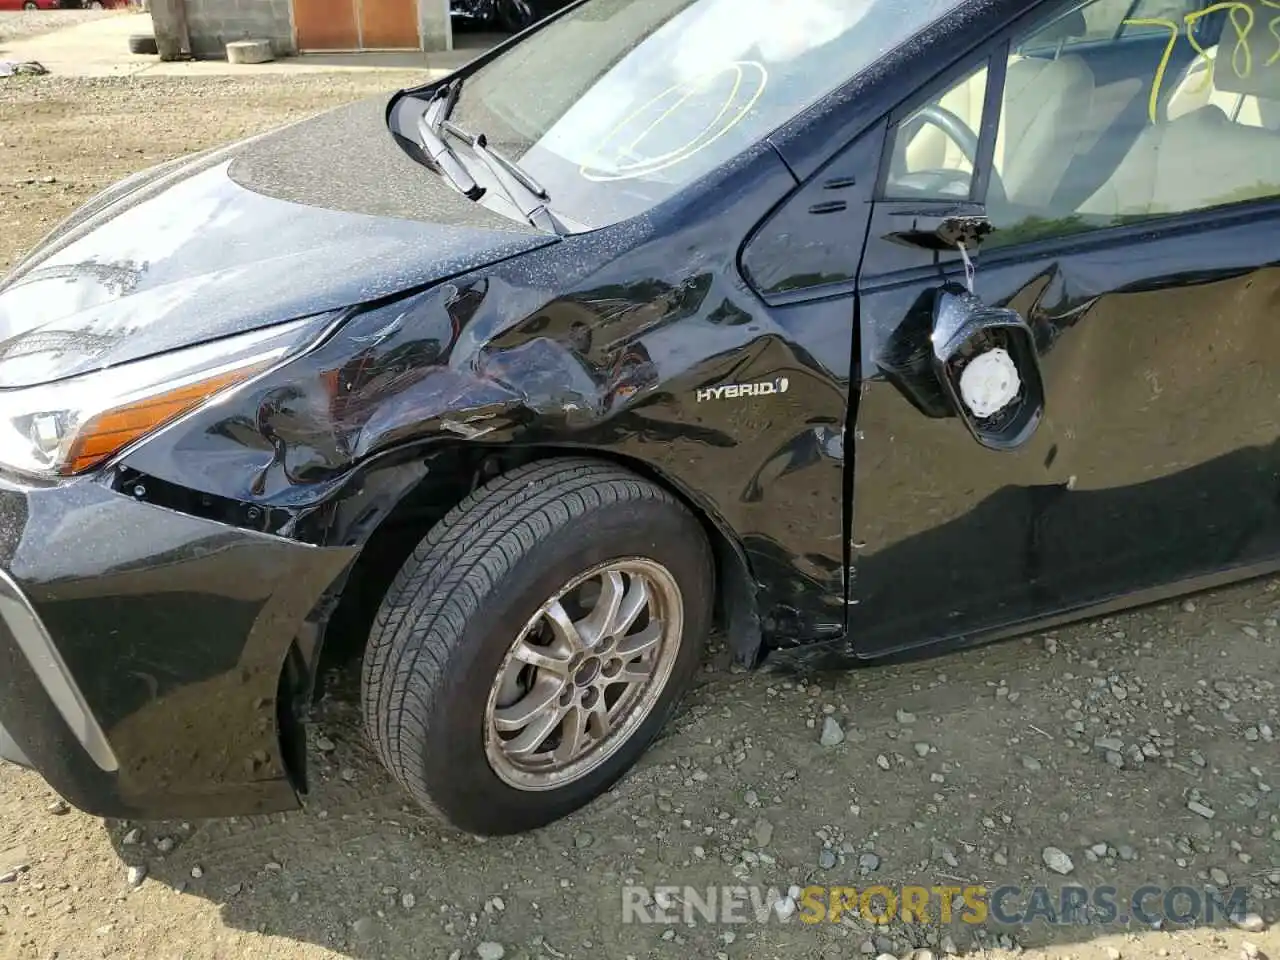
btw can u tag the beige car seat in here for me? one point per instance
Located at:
(1047, 104)
(1199, 88)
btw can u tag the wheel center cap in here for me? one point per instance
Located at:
(588, 672)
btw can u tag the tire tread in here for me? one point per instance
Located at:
(444, 584)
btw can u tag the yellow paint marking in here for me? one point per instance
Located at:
(709, 134)
(1241, 54)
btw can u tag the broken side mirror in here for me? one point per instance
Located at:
(987, 362)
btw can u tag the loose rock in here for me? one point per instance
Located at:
(1196, 807)
(832, 733)
(762, 833)
(1057, 861)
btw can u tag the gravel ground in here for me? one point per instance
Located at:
(1129, 751)
(30, 23)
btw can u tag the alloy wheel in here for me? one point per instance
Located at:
(583, 674)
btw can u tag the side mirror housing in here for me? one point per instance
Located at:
(987, 362)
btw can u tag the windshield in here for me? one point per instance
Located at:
(620, 103)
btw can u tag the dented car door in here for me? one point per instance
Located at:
(1150, 292)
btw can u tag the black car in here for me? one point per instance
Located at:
(512, 15)
(848, 329)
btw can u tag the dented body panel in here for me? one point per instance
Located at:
(1156, 464)
(601, 342)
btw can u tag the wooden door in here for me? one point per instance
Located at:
(326, 24)
(389, 24)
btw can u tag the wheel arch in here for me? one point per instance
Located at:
(411, 494)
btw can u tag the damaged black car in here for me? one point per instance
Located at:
(844, 329)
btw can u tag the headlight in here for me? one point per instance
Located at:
(73, 425)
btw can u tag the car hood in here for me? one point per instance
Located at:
(317, 216)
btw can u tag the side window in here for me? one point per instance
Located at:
(935, 147)
(1105, 121)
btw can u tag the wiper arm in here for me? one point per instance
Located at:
(536, 212)
(513, 168)
(445, 160)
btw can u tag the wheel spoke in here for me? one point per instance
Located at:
(535, 734)
(646, 641)
(633, 604)
(635, 672)
(571, 734)
(544, 658)
(598, 722)
(542, 697)
(567, 637)
(584, 675)
(600, 622)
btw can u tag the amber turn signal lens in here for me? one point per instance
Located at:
(112, 430)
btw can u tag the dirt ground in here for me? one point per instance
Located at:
(1142, 747)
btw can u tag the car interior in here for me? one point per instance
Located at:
(1083, 138)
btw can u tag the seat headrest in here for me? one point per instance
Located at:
(1233, 72)
(1067, 27)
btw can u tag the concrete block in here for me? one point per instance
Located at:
(249, 51)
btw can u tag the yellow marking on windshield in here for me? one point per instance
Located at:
(1275, 22)
(717, 127)
(1241, 53)
(695, 87)
(1164, 60)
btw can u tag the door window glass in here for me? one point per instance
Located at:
(1176, 109)
(935, 146)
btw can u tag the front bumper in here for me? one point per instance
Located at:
(141, 651)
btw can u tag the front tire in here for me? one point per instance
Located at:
(535, 642)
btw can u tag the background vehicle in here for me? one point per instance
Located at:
(31, 4)
(512, 15)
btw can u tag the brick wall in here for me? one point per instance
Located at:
(212, 24)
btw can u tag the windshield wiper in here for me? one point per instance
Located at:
(446, 161)
(536, 206)
(513, 168)
(434, 145)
